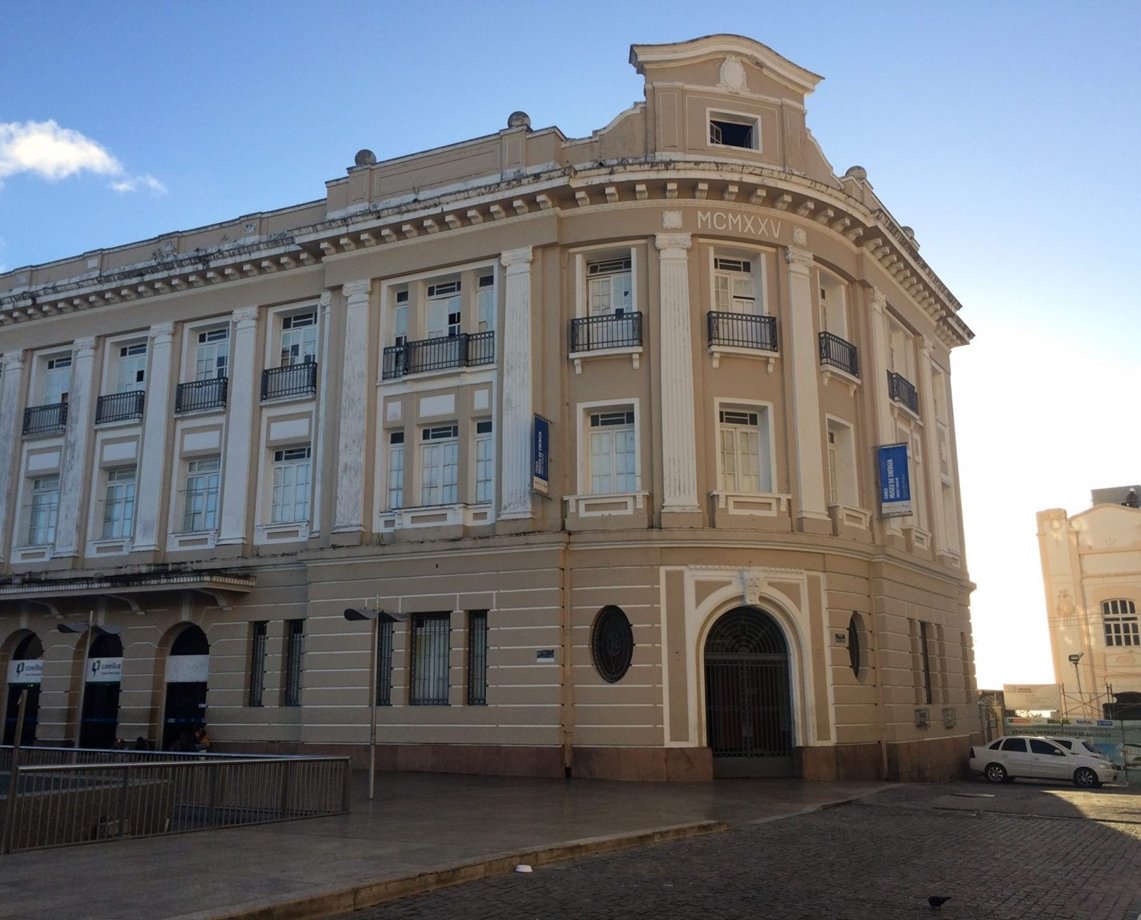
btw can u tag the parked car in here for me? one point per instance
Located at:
(1078, 746)
(1014, 757)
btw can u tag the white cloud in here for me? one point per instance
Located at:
(49, 151)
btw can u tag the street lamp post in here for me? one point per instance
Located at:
(85, 629)
(376, 616)
(1074, 659)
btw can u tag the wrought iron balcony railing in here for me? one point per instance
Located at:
(591, 333)
(743, 330)
(118, 407)
(463, 350)
(837, 352)
(902, 390)
(201, 394)
(44, 419)
(290, 380)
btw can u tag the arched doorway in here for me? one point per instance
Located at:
(25, 668)
(748, 711)
(103, 671)
(187, 672)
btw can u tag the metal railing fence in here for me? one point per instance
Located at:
(62, 797)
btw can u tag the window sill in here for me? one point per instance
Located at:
(850, 521)
(437, 516)
(192, 539)
(609, 505)
(757, 504)
(32, 553)
(285, 532)
(114, 547)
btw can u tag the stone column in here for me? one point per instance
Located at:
(349, 514)
(934, 482)
(885, 432)
(809, 489)
(321, 423)
(11, 388)
(157, 424)
(678, 427)
(73, 470)
(240, 434)
(518, 399)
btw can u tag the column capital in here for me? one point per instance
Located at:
(325, 300)
(878, 300)
(161, 333)
(12, 361)
(673, 244)
(517, 259)
(356, 291)
(245, 317)
(799, 260)
(85, 347)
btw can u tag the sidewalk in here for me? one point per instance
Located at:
(420, 831)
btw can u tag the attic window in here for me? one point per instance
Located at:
(733, 131)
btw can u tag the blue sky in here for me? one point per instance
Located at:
(1007, 134)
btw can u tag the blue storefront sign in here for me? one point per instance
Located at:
(541, 455)
(895, 481)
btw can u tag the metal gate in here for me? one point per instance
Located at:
(748, 713)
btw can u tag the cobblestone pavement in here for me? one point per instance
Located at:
(1022, 851)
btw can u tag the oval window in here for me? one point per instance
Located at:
(612, 644)
(855, 635)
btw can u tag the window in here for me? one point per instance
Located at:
(1119, 617)
(443, 309)
(132, 367)
(833, 306)
(400, 317)
(43, 510)
(119, 504)
(290, 501)
(57, 379)
(201, 496)
(612, 644)
(299, 339)
(212, 354)
(430, 652)
(734, 290)
(484, 452)
(925, 662)
(485, 303)
(384, 663)
(609, 289)
(745, 464)
(439, 465)
(733, 131)
(258, 630)
(855, 643)
(613, 461)
(477, 658)
(1017, 745)
(395, 470)
(842, 479)
(294, 650)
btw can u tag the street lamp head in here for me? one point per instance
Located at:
(1075, 658)
(81, 628)
(367, 613)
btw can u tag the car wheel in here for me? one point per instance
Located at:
(995, 773)
(1086, 778)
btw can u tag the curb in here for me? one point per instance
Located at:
(345, 901)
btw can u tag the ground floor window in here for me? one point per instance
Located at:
(430, 659)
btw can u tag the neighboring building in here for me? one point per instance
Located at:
(1091, 572)
(223, 438)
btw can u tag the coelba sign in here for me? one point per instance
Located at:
(25, 671)
(895, 483)
(104, 670)
(738, 223)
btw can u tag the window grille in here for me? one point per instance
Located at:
(1119, 619)
(258, 631)
(430, 651)
(477, 658)
(294, 650)
(384, 663)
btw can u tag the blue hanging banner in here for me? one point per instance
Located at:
(895, 481)
(540, 456)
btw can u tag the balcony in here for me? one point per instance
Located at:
(838, 353)
(201, 394)
(593, 333)
(49, 419)
(119, 407)
(902, 390)
(743, 330)
(463, 350)
(290, 380)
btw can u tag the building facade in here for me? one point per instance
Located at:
(1091, 575)
(596, 419)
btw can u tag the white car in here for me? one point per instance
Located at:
(1014, 757)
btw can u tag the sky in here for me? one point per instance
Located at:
(1008, 135)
